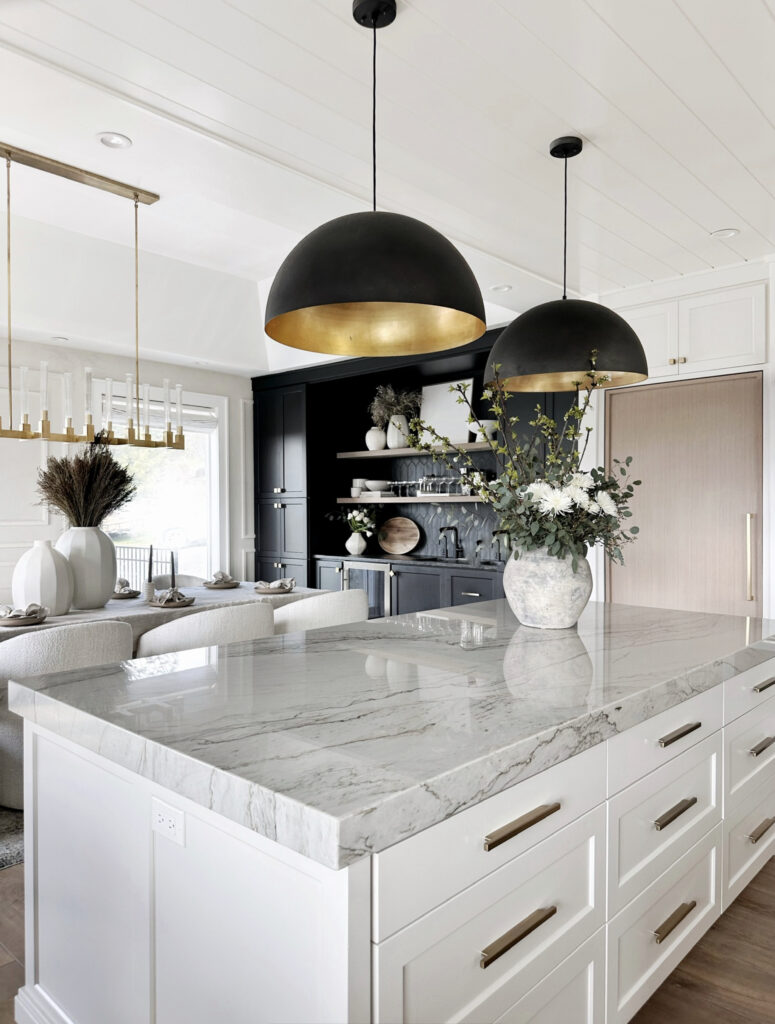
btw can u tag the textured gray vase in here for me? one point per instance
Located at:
(544, 591)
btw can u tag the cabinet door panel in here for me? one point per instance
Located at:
(269, 527)
(270, 569)
(416, 590)
(294, 442)
(329, 575)
(472, 587)
(294, 516)
(269, 445)
(657, 327)
(723, 329)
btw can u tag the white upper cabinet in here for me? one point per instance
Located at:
(718, 330)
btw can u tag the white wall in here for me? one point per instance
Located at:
(22, 520)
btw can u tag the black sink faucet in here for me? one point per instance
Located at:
(496, 543)
(443, 534)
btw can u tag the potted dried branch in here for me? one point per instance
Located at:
(392, 409)
(86, 488)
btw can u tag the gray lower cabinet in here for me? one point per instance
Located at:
(471, 587)
(270, 569)
(329, 575)
(416, 589)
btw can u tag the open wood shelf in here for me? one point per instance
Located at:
(368, 499)
(393, 453)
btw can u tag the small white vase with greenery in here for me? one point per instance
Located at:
(86, 488)
(552, 511)
(362, 525)
(393, 409)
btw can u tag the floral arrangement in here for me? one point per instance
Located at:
(540, 494)
(360, 520)
(87, 487)
(388, 402)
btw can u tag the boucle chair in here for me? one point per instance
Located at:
(215, 626)
(48, 650)
(326, 610)
(164, 581)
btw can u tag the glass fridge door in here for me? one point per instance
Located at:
(375, 580)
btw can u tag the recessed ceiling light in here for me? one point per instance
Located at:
(725, 232)
(500, 287)
(114, 140)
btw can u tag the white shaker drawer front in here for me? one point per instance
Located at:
(654, 933)
(655, 821)
(478, 954)
(637, 751)
(749, 837)
(574, 993)
(749, 689)
(750, 750)
(420, 873)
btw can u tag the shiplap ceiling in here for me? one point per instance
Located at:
(252, 118)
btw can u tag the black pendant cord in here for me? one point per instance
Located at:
(565, 236)
(374, 117)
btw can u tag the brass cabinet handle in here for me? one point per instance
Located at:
(469, 593)
(749, 556)
(514, 935)
(761, 687)
(672, 922)
(678, 734)
(682, 359)
(391, 574)
(506, 832)
(278, 504)
(672, 361)
(675, 812)
(760, 830)
(762, 746)
(277, 490)
(338, 570)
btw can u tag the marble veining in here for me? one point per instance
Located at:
(340, 742)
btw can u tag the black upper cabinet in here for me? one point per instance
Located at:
(281, 456)
(281, 527)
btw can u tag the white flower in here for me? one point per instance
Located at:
(555, 503)
(582, 480)
(593, 508)
(369, 533)
(607, 503)
(577, 495)
(539, 489)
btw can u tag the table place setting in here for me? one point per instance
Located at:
(221, 581)
(32, 615)
(123, 591)
(283, 586)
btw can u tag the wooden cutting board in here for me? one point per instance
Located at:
(398, 536)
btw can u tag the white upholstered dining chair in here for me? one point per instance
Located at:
(49, 650)
(335, 609)
(164, 581)
(228, 625)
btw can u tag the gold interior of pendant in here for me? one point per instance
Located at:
(570, 380)
(375, 328)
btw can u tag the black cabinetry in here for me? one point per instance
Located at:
(270, 569)
(281, 441)
(328, 575)
(415, 589)
(281, 528)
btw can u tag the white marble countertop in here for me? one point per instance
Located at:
(340, 742)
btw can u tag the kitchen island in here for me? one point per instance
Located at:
(439, 816)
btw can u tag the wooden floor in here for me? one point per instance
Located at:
(728, 978)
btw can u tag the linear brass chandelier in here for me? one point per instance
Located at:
(138, 428)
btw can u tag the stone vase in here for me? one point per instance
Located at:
(544, 591)
(376, 439)
(355, 543)
(92, 557)
(43, 576)
(397, 432)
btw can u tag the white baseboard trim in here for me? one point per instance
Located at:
(32, 1006)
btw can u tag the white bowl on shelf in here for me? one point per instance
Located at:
(377, 485)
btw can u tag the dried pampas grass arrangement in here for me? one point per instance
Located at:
(86, 488)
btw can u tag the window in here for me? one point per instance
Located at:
(180, 502)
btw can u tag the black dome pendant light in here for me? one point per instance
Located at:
(548, 347)
(373, 284)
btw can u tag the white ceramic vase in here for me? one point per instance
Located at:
(355, 543)
(376, 439)
(92, 557)
(544, 591)
(397, 432)
(43, 576)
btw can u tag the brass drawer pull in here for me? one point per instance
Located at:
(277, 504)
(514, 935)
(761, 747)
(761, 687)
(760, 830)
(672, 922)
(506, 832)
(672, 361)
(469, 593)
(678, 734)
(682, 359)
(675, 812)
(277, 490)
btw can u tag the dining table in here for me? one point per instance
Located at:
(143, 616)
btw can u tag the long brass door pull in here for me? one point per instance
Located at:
(761, 687)
(678, 734)
(760, 747)
(675, 812)
(672, 922)
(506, 832)
(760, 830)
(514, 935)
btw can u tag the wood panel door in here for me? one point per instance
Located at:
(697, 447)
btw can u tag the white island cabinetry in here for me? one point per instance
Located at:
(551, 834)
